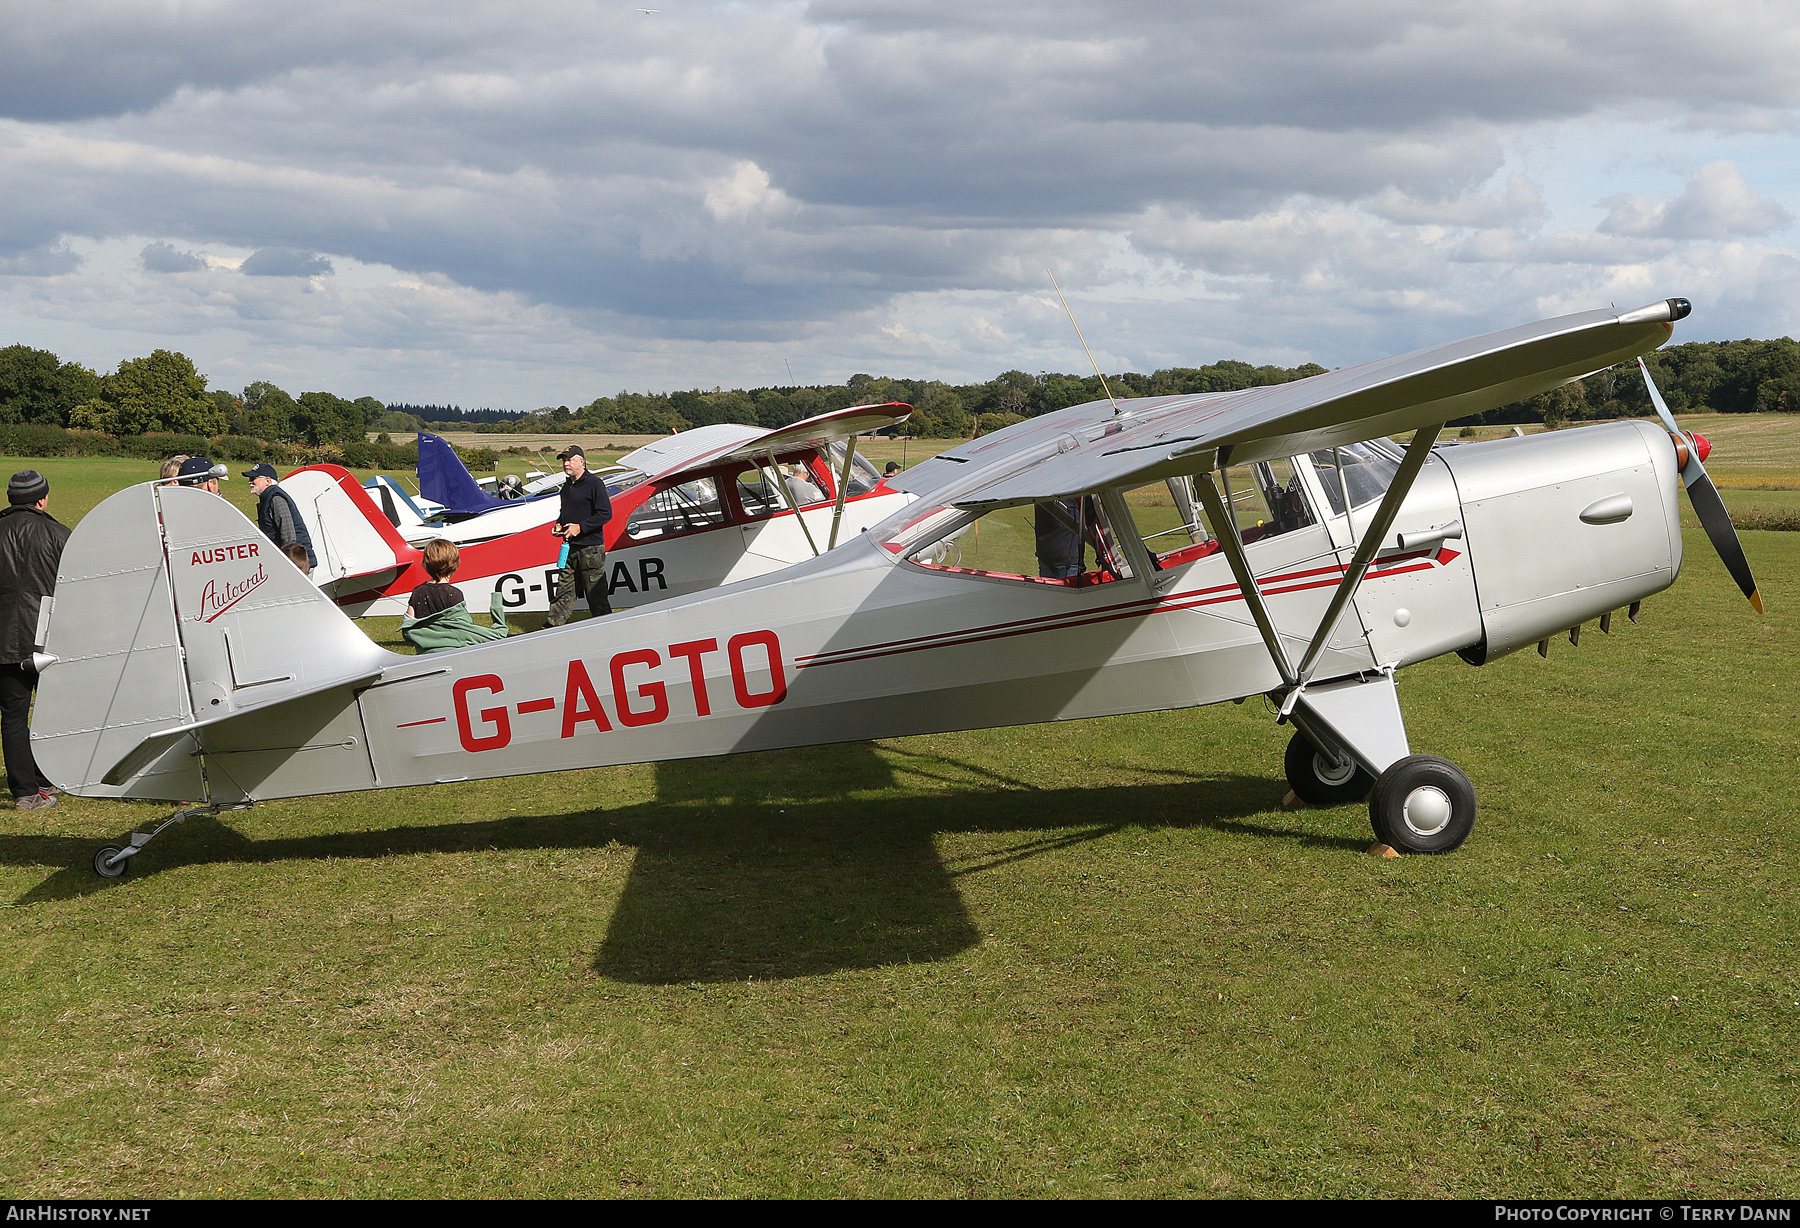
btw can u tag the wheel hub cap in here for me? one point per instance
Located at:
(1333, 773)
(1427, 810)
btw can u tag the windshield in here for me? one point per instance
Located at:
(1363, 470)
(863, 477)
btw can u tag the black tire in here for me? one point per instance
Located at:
(100, 859)
(1314, 781)
(1423, 804)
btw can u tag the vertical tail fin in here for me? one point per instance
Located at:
(172, 613)
(360, 550)
(443, 478)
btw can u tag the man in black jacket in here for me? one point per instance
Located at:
(276, 514)
(581, 523)
(31, 546)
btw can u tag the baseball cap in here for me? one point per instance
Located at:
(263, 470)
(573, 449)
(195, 471)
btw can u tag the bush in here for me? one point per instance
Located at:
(236, 448)
(999, 422)
(25, 439)
(1784, 520)
(160, 445)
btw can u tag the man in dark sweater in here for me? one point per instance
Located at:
(581, 524)
(31, 546)
(276, 514)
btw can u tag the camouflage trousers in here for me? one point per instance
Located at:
(584, 575)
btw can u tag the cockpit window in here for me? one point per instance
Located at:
(623, 480)
(1063, 542)
(686, 508)
(1266, 500)
(863, 477)
(1364, 471)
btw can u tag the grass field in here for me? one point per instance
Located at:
(1091, 958)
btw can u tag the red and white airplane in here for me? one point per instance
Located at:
(1157, 553)
(695, 510)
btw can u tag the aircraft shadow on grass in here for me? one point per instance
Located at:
(761, 866)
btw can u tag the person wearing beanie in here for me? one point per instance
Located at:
(31, 546)
(276, 514)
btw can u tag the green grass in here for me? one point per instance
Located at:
(1091, 958)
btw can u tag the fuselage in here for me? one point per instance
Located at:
(931, 621)
(667, 537)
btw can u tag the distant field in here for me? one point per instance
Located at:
(1089, 959)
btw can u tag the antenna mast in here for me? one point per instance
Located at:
(1084, 344)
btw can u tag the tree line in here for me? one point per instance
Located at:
(163, 393)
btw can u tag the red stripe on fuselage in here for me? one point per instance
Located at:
(1130, 609)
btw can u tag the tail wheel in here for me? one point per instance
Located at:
(1318, 781)
(105, 866)
(1423, 804)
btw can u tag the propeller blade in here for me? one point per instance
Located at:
(1717, 523)
(1662, 410)
(1707, 505)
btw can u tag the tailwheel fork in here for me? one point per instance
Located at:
(111, 861)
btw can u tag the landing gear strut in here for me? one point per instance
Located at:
(111, 861)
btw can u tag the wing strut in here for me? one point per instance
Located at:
(1416, 453)
(774, 472)
(1226, 530)
(843, 477)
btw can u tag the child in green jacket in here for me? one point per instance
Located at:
(438, 619)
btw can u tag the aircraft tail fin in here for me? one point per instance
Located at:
(172, 614)
(443, 478)
(359, 546)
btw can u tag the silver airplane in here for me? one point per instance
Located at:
(1148, 554)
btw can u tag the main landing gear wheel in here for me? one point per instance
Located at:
(1319, 782)
(107, 853)
(1423, 804)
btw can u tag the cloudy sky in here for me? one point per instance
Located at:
(527, 204)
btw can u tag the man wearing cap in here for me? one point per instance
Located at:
(276, 514)
(197, 471)
(31, 546)
(581, 524)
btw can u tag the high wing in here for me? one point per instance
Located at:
(1089, 447)
(673, 458)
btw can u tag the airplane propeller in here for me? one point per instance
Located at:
(1690, 451)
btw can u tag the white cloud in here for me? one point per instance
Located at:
(637, 201)
(1715, 204)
